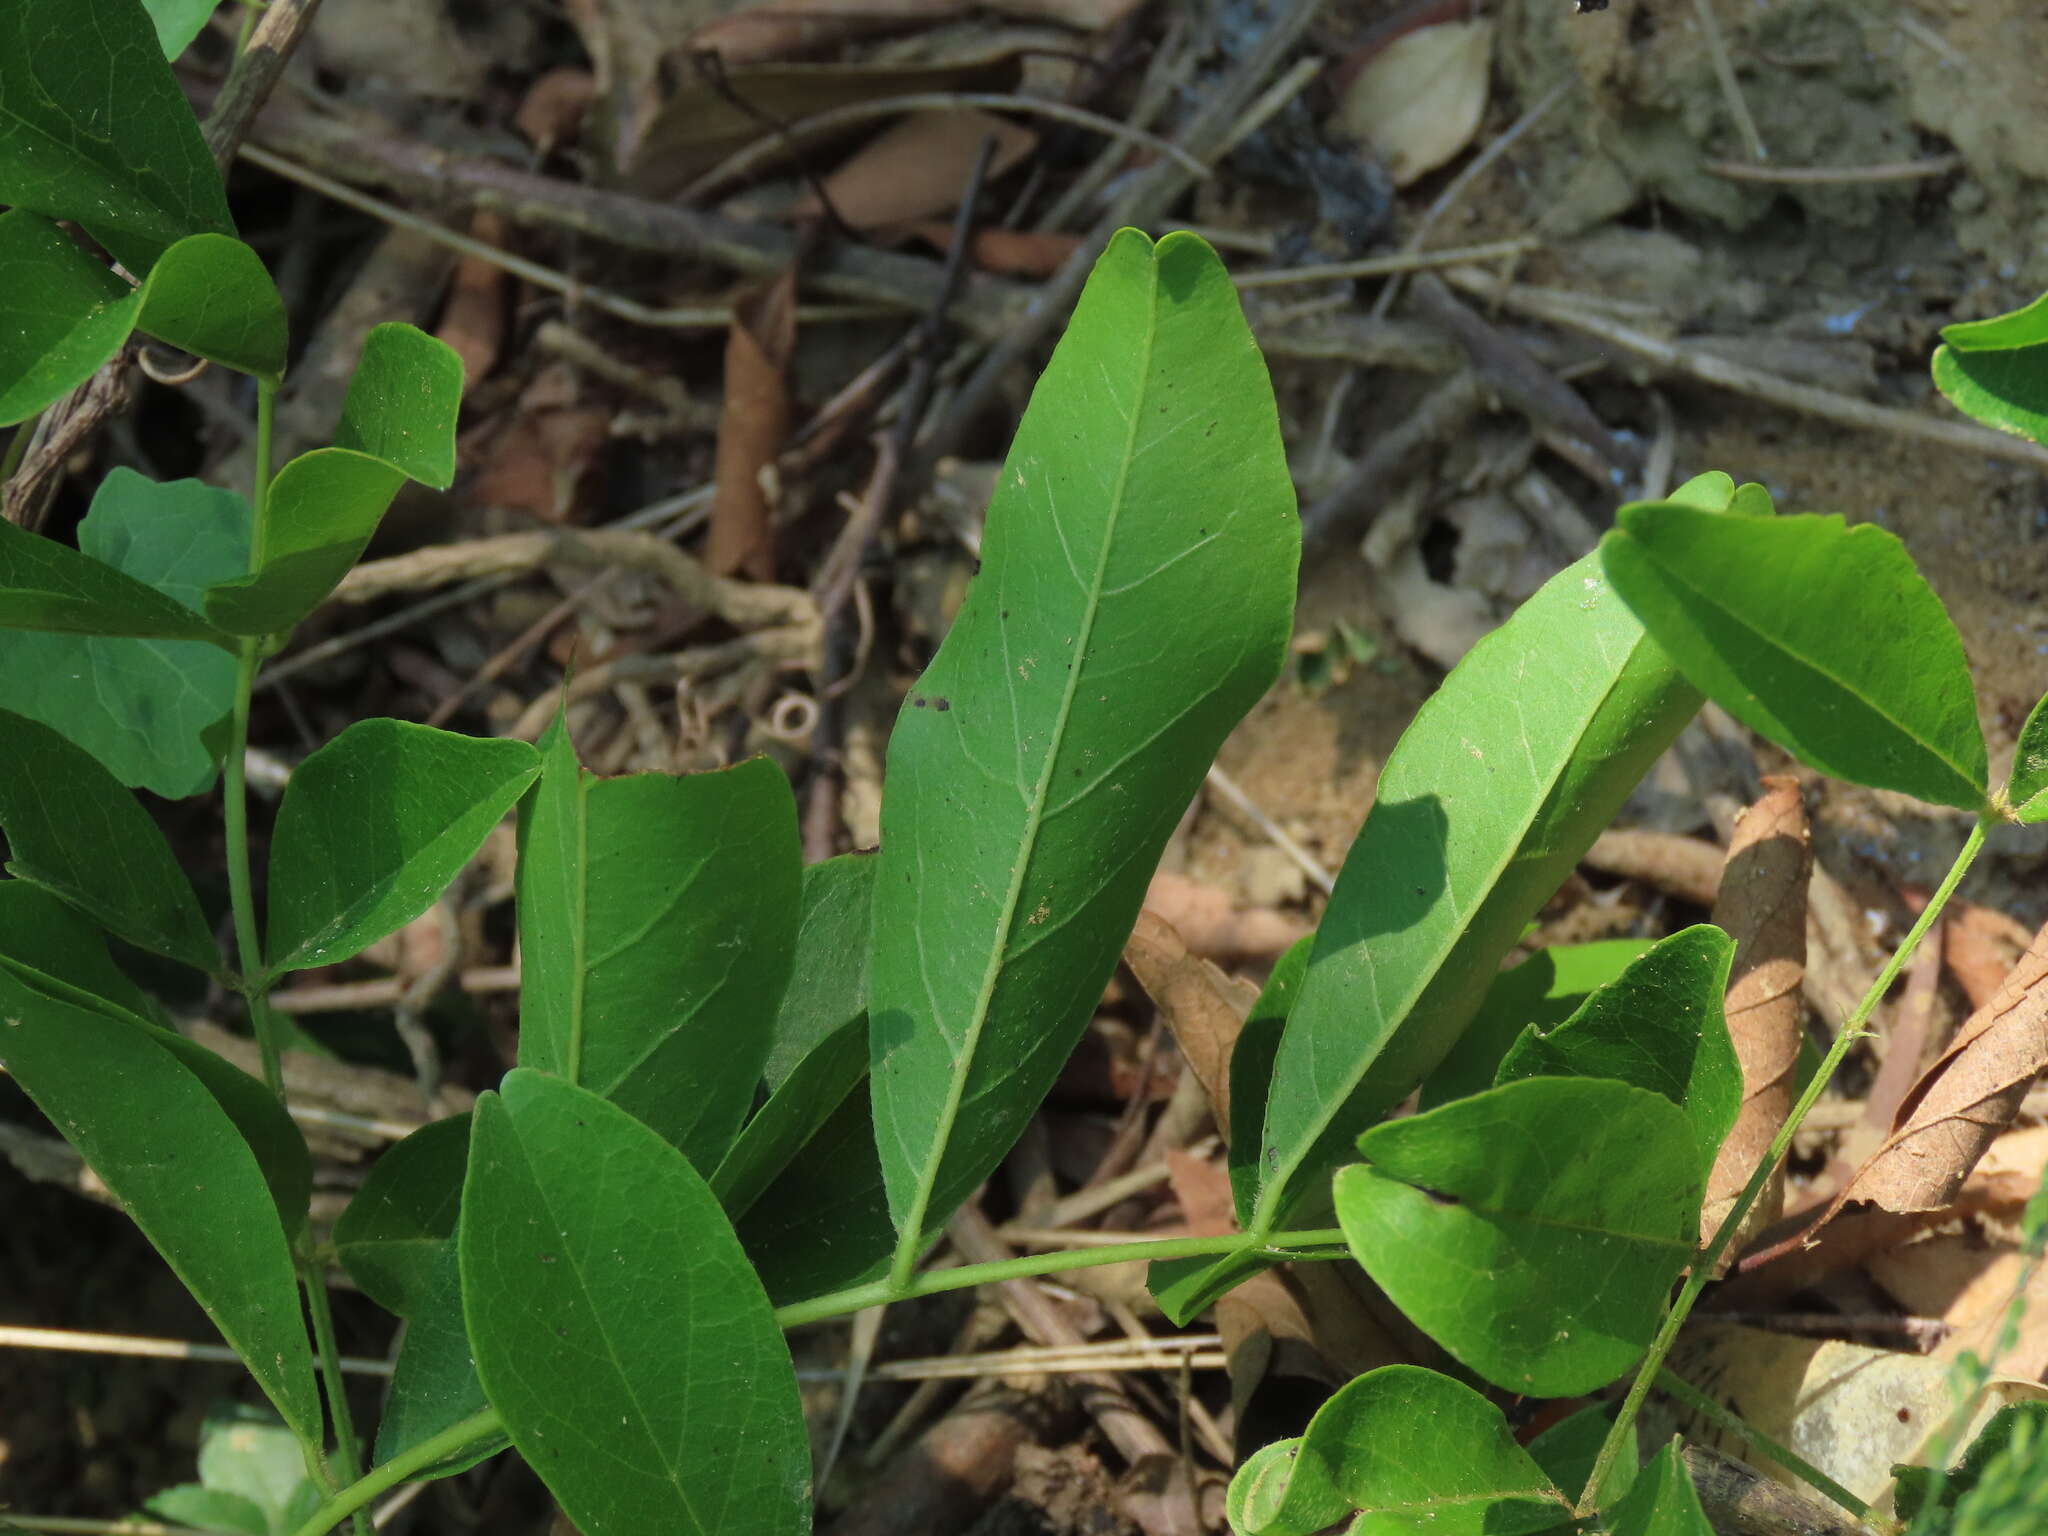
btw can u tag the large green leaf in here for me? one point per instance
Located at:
(174, 1159)
(657, 917)
(1570, 1449)
(374, 826)
(63, 312)
(178, 22)
(619, 1330)
(1661, 1502)
(1820, 636)
(252, 1478)
(1493, 793)
(94, 127)
(142, 707)
(1133, 602)
(1532, 1230)
(1410, 1451)
(72, 829)
(396, 1229)
(1543, 990)
(828, 982)
(47, 585)
(1997, 370)
(1660, 1025)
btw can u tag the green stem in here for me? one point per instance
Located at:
(348, 1454)
(1709, 1261)
(17, 447)
(449, 1442)
(1755, 1439)
(1280, 1245)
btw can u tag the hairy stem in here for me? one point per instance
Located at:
(1703, 1268)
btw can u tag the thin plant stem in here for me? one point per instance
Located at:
(1705, 1265)
(1279, 1245)
(348, 1453)
(17, 447)
(235, 789)
(352, 1500)
(1733, 1423)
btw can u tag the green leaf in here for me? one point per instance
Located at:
(373, 828)
(1502, 782)
(1996, 370)
(177, 1164)
(324, 506)
(402, 1220)
(1820, 636)
(2017, 1427)
(2027, 791)
(72, 829)
(823, 1224)
(212, 296)
(657, 917)
(809, 1096)
(1544, 991)
(619, 1330)
(252, 1475)
(1532, 1230)
(1716, 491)
(47, 585)
(1133, 602)
(94, 127)
(1659, 1025)
(1662, 1501)
(178, 22)
(1411, 1451)
(828, 982)
(434, 1384)
(63, 312)
(142, 707)
(402, 403)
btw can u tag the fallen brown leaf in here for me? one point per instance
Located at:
(752, 430)
(1419, 101)
(1762, 906)
(553, 107)
(1980, 945)
(1967, 1098)
(1969, 1285)
(473, 320)
(781, 29)
(539, 460)
(1006, 252)
(1203, 1007)
(918, 167)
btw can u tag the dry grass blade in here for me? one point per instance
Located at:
(1762, 906)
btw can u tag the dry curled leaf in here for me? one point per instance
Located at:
(1419, 101)
(1762, 906)
(1204, 1008)
(918, 168)
(1212, 923)
(752, 430)
(1966, 1099)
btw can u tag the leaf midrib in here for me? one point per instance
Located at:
(910, 1242)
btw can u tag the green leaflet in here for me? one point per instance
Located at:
(400, 1223)
(657, 919)
(1498, 787)
(1997, 370)
(1133, 602)
(1823, 637)
(680, 1416)
(1532, 1230)
(1407, 1449)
